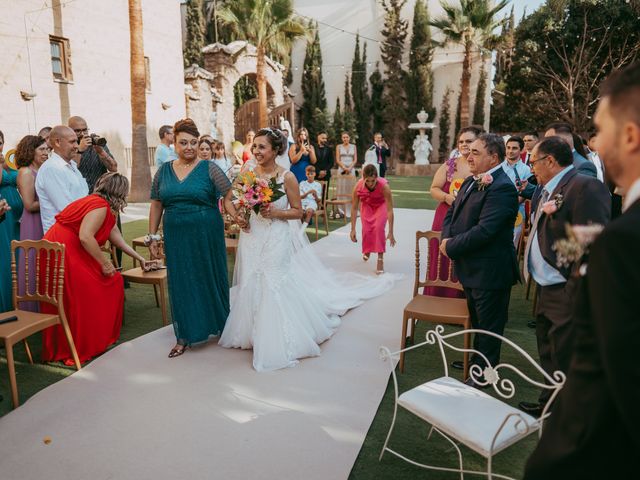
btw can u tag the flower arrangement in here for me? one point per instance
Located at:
(576, 245)
(483, 181)
(251, 192)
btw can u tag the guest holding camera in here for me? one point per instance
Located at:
(93, 157)
(59, 182)
(187, 192)
(93, 289)
(302, 154)
(31, 153)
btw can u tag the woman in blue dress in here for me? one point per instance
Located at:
(187, 191)
(302, 154)
(9, 228)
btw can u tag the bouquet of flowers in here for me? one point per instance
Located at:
(251, 192)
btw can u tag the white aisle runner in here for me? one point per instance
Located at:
(136, 414)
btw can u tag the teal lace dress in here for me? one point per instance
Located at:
(196, 255)
(9, 230)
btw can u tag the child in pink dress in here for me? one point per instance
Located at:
(377, 208)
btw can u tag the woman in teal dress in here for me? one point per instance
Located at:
(9, 228)
(187, 191)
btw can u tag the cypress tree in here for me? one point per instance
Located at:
(478, 110)
(336, 125)
(360, 95)
(377, 106)
(313, 89)
(444, 125)
(458, 124)
(348, 120)
(195, 34)
(392, 50)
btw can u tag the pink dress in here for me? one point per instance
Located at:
(373, 214)
(449, 186)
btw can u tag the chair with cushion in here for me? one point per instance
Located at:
(450, 311)
(342, 198)
(464, 414)
(48, 265)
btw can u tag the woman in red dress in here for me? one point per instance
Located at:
(93, 289)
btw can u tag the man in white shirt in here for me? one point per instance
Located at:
(59, 182)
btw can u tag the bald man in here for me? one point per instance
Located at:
(59, 182)
(93, 160)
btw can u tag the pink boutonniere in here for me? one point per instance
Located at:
(553, 205)
(483, 181)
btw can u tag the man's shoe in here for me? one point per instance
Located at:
(533, 409)
(531, 324)
(457, 364)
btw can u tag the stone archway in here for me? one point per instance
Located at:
(228, 64)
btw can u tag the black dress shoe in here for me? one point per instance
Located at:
(531, 324)
(470, 382)
(457, 364)
(533, 409)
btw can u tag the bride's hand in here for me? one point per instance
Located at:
(266, 211)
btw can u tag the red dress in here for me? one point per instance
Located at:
(93, 303)
(373, 215)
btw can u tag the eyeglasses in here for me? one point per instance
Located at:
(81, 130)
(533, 162)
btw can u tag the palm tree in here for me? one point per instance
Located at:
(472, 26)
(271, 27)
(140, 172)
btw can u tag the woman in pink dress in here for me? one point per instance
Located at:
(444, 188)
(377, 209)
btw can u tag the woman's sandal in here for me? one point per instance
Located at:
(365, 256)
(380, 267)
(177, 350)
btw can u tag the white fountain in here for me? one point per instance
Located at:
(421, 145)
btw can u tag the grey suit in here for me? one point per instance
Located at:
(584, 166)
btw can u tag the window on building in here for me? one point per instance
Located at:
(147, 75)
(60, 58)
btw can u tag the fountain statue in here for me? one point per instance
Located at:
(421, 145)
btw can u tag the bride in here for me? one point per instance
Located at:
(284, 302)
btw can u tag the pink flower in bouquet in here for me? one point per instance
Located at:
(550, 207)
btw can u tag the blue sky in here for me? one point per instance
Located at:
(519, 5)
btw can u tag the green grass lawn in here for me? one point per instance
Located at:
(410, 437)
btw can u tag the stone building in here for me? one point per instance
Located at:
(65, 58)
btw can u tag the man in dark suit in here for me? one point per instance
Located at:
(324, 158)
(478, 235)
(382, 152)
(564, 131)
(593, 429)
(577, 200)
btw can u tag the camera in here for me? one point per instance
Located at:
(98, 140)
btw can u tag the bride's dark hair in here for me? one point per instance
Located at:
(276, 138)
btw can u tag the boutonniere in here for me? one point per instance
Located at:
(579, 238)
(553, 205)
(483, 181)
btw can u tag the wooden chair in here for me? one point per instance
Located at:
(135, 243)
(157, 278)
(342, 198)
(322, 209)
(450, 311)
(51, 292)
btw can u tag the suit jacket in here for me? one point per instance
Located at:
(592, 431)
(584, 166)
(479, 225)
(584, 200)
(325, 160)
(382, 153)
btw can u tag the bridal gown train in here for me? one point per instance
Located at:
(284, 301)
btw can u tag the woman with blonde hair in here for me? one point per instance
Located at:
(93, 289)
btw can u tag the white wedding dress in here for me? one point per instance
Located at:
(284, 302)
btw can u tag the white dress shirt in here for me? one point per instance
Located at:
(632, 195)
(58, 184)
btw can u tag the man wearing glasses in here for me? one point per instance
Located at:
(564, 197)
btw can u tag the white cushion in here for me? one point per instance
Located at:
(466, 414)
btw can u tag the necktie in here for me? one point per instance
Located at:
(534, 228)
